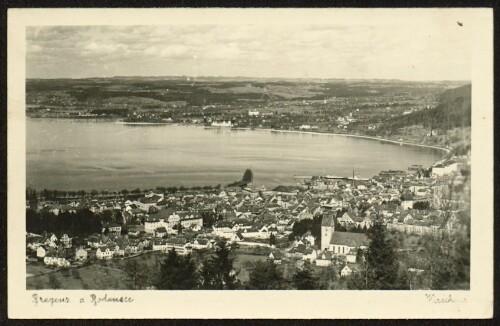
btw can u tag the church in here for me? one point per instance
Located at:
(340, 243)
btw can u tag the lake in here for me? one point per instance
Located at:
(81, 154)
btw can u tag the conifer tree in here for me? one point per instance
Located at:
(170, 277)
(266, 276)
(217, 272)
(381, 259)
(304, 279)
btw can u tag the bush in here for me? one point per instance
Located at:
(54, 282)
(76, 274)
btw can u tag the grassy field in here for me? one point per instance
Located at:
(37, 268)
(240, 262)
(100, 275)
(91, 277)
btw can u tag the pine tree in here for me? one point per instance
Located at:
(304, 279)
(272, 240)
(381, 259)
(266, 276)
(170, 277)
(248, 176)
(189, 273)
(217, 272)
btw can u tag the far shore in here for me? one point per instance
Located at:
(143, 123)
(447, 150)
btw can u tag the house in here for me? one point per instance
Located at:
(56, 257)
(275, 256)
(160, 245)
(223, 229)
(324, 259)
(366, 222)
(309, 254)
(41, 252)
(309, 238)
(200, 243)
(93, 241)
(180, 244)
(160, 232)
(50, 240)
(351, 256)
(152, 223)
(297, 252)
(112, 227)
(346, 219)
(407, 204)
(134, 247)
(56, 261)
(106, 251)
(237, 237)
(66, 241)
(346, 271)
(80, 254)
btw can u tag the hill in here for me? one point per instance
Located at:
(453, 111)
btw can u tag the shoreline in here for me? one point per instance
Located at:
(142, 123)
(447, 150)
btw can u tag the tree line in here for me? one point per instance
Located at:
(52, 194)
(216, 272)
(443, 262)
(80, 223)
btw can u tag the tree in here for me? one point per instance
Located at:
(272, 240)
(381, 259)
(217, 271)
(440, 267)
(327, 278)
(304, 279)
(189, 272)
(177, 273)
(360, 256)
(132, 268)
(170, 277)
(265, 275)
(54, 282)
(301, 227)
(248, 176)
(107, 216)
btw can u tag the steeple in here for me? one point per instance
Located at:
(327, 229)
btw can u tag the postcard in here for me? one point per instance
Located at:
(250, 163)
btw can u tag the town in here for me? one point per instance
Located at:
(395, 110)
(312, 235)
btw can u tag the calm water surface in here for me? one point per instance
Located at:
(75, 154)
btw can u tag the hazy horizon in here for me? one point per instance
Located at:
(261, 78)
(419, 50)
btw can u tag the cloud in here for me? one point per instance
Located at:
(332, 50)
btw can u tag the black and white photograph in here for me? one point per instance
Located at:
(332, 155)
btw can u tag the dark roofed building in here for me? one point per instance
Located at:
(344, 242)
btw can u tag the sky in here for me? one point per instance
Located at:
(416, 51)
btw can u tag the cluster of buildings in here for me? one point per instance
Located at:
(417, 201)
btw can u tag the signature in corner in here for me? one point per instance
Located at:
(443, 299)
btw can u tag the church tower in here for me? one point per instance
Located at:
(327, 229)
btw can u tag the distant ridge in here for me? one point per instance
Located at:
(454, 110)
(249, 79)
